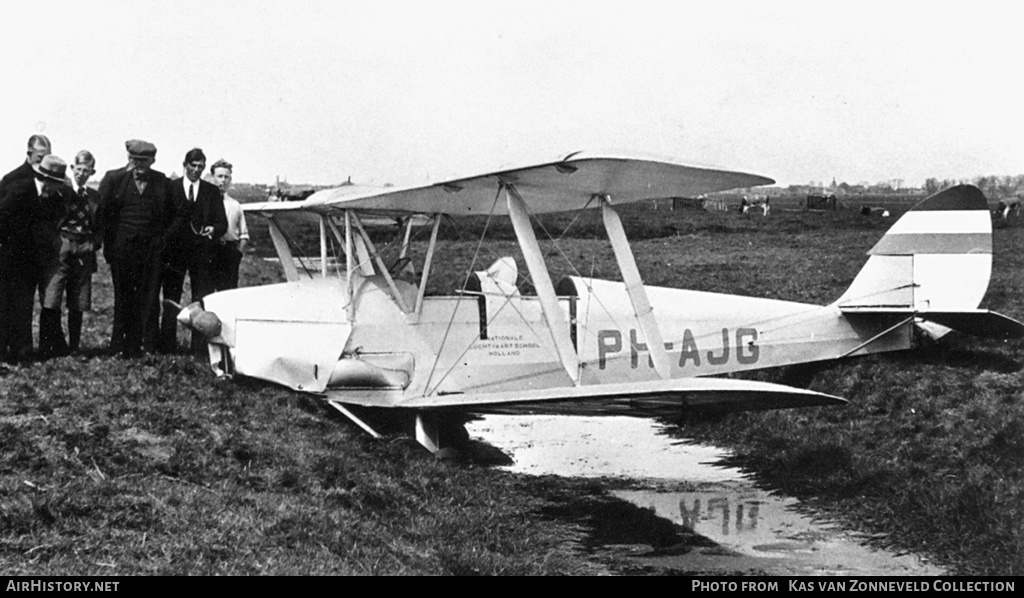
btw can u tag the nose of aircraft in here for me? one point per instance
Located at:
(195, 317)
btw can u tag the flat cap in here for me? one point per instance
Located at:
(140, 149)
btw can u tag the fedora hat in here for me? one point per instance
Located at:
(52, 168)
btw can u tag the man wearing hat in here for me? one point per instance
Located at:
(38, 146)
(191, 247)
(110, 182)
(30, 211)
(70, 275)
(112, 178)
(137, 212)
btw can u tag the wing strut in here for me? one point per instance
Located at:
(426, 264)
(380, 265)
(350, 309)
(284, 253)
(323, 246)
(542, 282)
(635, 288)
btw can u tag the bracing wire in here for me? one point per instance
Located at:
(451, 321)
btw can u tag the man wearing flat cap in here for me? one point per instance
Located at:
(191, 247)
(112, 178)
(111, 182)
(137, 213)
(30, 211)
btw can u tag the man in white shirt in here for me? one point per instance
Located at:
(237, 236)
(191, 248)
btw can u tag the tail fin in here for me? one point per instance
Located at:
(936, 260)
(937, 256)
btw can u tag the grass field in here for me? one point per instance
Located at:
(151, 467)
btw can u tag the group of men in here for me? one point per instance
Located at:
(153, 231)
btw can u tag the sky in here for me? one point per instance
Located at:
(407, 92)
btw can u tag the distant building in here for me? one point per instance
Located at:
(822, 202)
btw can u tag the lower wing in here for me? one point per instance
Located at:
(716, 394)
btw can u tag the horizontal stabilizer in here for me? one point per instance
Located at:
(981, 323)
(721, 394)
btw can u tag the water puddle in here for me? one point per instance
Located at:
(752, 529)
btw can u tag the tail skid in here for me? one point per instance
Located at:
(933, 266)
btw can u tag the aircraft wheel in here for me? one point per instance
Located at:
(452, 433)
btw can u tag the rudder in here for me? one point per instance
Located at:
(938, 256)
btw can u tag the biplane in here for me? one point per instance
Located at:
(364, 335)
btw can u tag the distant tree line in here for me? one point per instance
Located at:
(994, 187)
(842, 189)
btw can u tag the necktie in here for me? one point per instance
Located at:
(197, 222)
(81, 215)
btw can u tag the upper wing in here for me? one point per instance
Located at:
(564, 185)
(319, 202)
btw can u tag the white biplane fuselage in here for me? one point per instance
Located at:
(365, 336)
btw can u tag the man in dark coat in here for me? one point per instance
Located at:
(109, 184)
(30, 211)
(70, 275)
(38, 146)
(191, 247)
(138, 211)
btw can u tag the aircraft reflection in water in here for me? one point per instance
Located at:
(746, 513)
(750, 522)
(367, 338)
(715, 514)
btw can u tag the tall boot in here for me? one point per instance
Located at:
(74, 330)
(45, 333)
(51, 334)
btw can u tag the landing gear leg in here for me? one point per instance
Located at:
(442, 435)
(427, 433)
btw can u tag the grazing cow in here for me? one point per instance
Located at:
(1007, 208)
(759, 204)
(874, 211)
